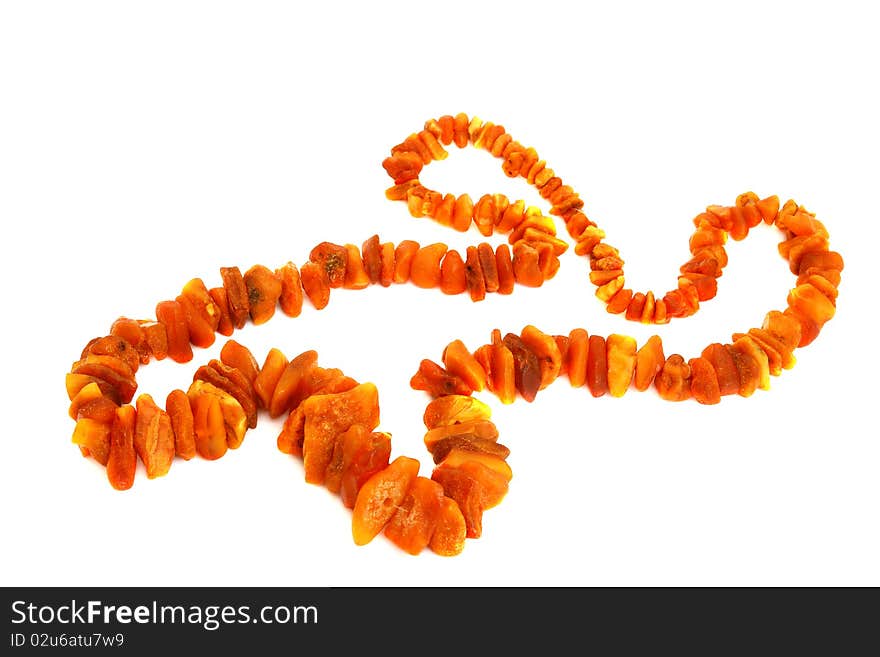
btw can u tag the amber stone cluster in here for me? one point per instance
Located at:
(533, 235)
(519, 366)
(332, 419)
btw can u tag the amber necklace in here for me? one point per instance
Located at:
(331, 418)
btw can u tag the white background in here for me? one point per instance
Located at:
(143, 144)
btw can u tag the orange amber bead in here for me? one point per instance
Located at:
(130, 331)
(777, 355)
(430, 141)
(597, 367)
(452, 273)
(675, 303)
(179, 410)
(462, 213)
(660, 314)
(502, 373)
(601, 277)
(548, 262)
(239, 357)
(485, 215)
(291, 298)
(443, 214)
(808, 328)
(217, 426)
(747, 369)
(269, 375)
(673, 382)
(87, 393)
(784, 327)
(460, 362)
(437, 382)
(386, 257)
(84, 401)
(455, 409)
(706, 286)
(403, 257)
(200, 332)
(414, 145)
(537, 237)
(526, 370)
(122, 459)
(504, 267)
(468, 494)
(414, 521)
(441, 449)
(333, 258)
(476, 283)
(489, 266)
(93, 436)
(94, 414)
(74, 383)
(821, 260)
(356, 277)
(512, 216)
(721, 360)
(287, 393)
(475, 487)
(234, 382)
(620, 354)
(649, 362)
(372, 259)
(113, 376)
(460, 130)
(157, 338)
(536, 222)
(401, 192)
(478, 429)
(635, 306)
(327, 417)
(621, 300)
(202, 303)
(547, 352)
(450, 530)
(425, 271)
(224, 323)
(319, 381)
(236, 295)
(171, 315)
(380, 496)
(264, 290)
(576, 357)
(609, 291)
(704, 382)
(526, 266)
(443, 130)
(795, 248)
(821, 283)
(403, 166)
(808, 302)
(316, 284)
(363, 455)
(769, 208)
(116, 347)
(739, 229)
(153, 437)
(702, 263)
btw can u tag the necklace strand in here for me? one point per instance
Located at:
(332, 419)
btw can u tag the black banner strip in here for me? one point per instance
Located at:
(461, 620)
